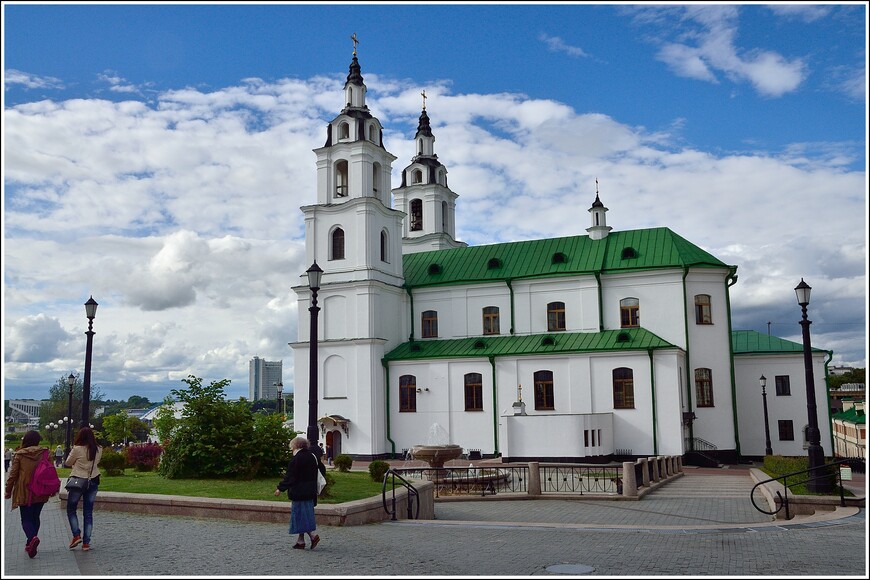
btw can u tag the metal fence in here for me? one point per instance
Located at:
(581, 479)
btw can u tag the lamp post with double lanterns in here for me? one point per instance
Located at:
(767, 449)
(91, 313)
(314, 275)
(819, 482)
(71, 381)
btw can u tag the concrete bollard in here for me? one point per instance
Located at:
(655, 470)
(629, 479)
(534, 478)
(680, 463)
(644, 470)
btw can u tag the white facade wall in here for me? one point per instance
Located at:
(747, 370)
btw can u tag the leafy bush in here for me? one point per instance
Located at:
(144, 457)
(112, 462)
(330, 481)
(343, 462)
(377, 469)
(217, 438)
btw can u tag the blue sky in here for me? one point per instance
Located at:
(156, 156)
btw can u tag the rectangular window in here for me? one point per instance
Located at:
(430, 324)
(704, 387)
(474, 392)
(629, 312)
(623, 388)
(491, 320)
(786, 430)
(544, 391)
(783, 386)
(702, 309)
(555, 316)
(407, 394)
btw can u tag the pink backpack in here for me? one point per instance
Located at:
(44, 480)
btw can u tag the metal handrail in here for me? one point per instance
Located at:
(783, 501)
(412, 491)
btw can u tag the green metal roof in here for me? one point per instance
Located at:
(852, 416)
(620, 251)
(626, 339)
(752, 342)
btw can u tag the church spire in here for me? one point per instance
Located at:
(599, 229)
(354, 88)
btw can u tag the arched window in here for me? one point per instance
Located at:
(702, 309)
(704, 387)
(555, 316)
(407, 394)
(384, 246)
(376, 177)
(416, 215)
(372, 134)
(629, 312)
(336, 250)
(623, 388)
(443, 216)
(490, 320)
(417, 176)
(344, 129)
(341, 189)
(544, 391)
(474, 392)
(429, 328)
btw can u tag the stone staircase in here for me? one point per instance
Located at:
(692, 485)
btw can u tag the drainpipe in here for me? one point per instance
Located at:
(600, 302)
(387, 397)
(731, 280)
(828, 399)
(411, 303)
(688, 365)
(511, 290)
(494, 405)
(652, 382)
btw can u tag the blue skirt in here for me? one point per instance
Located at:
(302, 517)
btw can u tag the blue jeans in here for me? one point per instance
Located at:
(30, 519)
(72, 504)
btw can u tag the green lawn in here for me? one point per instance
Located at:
(348, 486)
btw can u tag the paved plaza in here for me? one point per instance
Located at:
(702, 524)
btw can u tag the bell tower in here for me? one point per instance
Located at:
(429, 205)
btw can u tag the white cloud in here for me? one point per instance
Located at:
(30, 81)
(182, 218)
(556, 44)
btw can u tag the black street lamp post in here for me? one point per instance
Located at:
(279, 387)
(767, 449)
(819, 482)
(71, 380)
(91, 312)
(314, 274)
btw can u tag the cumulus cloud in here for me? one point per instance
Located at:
(182, 217)
(13, 77)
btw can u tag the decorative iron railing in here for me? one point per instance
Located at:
(829, 473)
(413, 495)
(581, 479)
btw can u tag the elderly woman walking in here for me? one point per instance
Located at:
(300, 483)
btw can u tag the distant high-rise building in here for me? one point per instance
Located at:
(263, 375)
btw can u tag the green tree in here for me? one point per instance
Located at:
(55, 407)
(121, 428)
(853, 376)
(165, 422)
(220, 438)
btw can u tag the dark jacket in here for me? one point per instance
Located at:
(300, 481)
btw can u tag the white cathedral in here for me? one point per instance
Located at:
(581, 348)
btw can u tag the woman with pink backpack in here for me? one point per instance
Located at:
(30, 505)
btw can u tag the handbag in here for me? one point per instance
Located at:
(321, 481)
(77, 483)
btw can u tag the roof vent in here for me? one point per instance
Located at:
(434, 269)
(416, 347)
(479, 344)
(628, 253)
(548, 341)
(493, 264)
(560, 258)
(623, 337)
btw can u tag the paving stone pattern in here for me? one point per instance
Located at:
(709, 534)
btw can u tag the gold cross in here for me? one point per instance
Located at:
(424, 99)
(355, 42)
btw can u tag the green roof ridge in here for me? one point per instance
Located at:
(753, 342)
